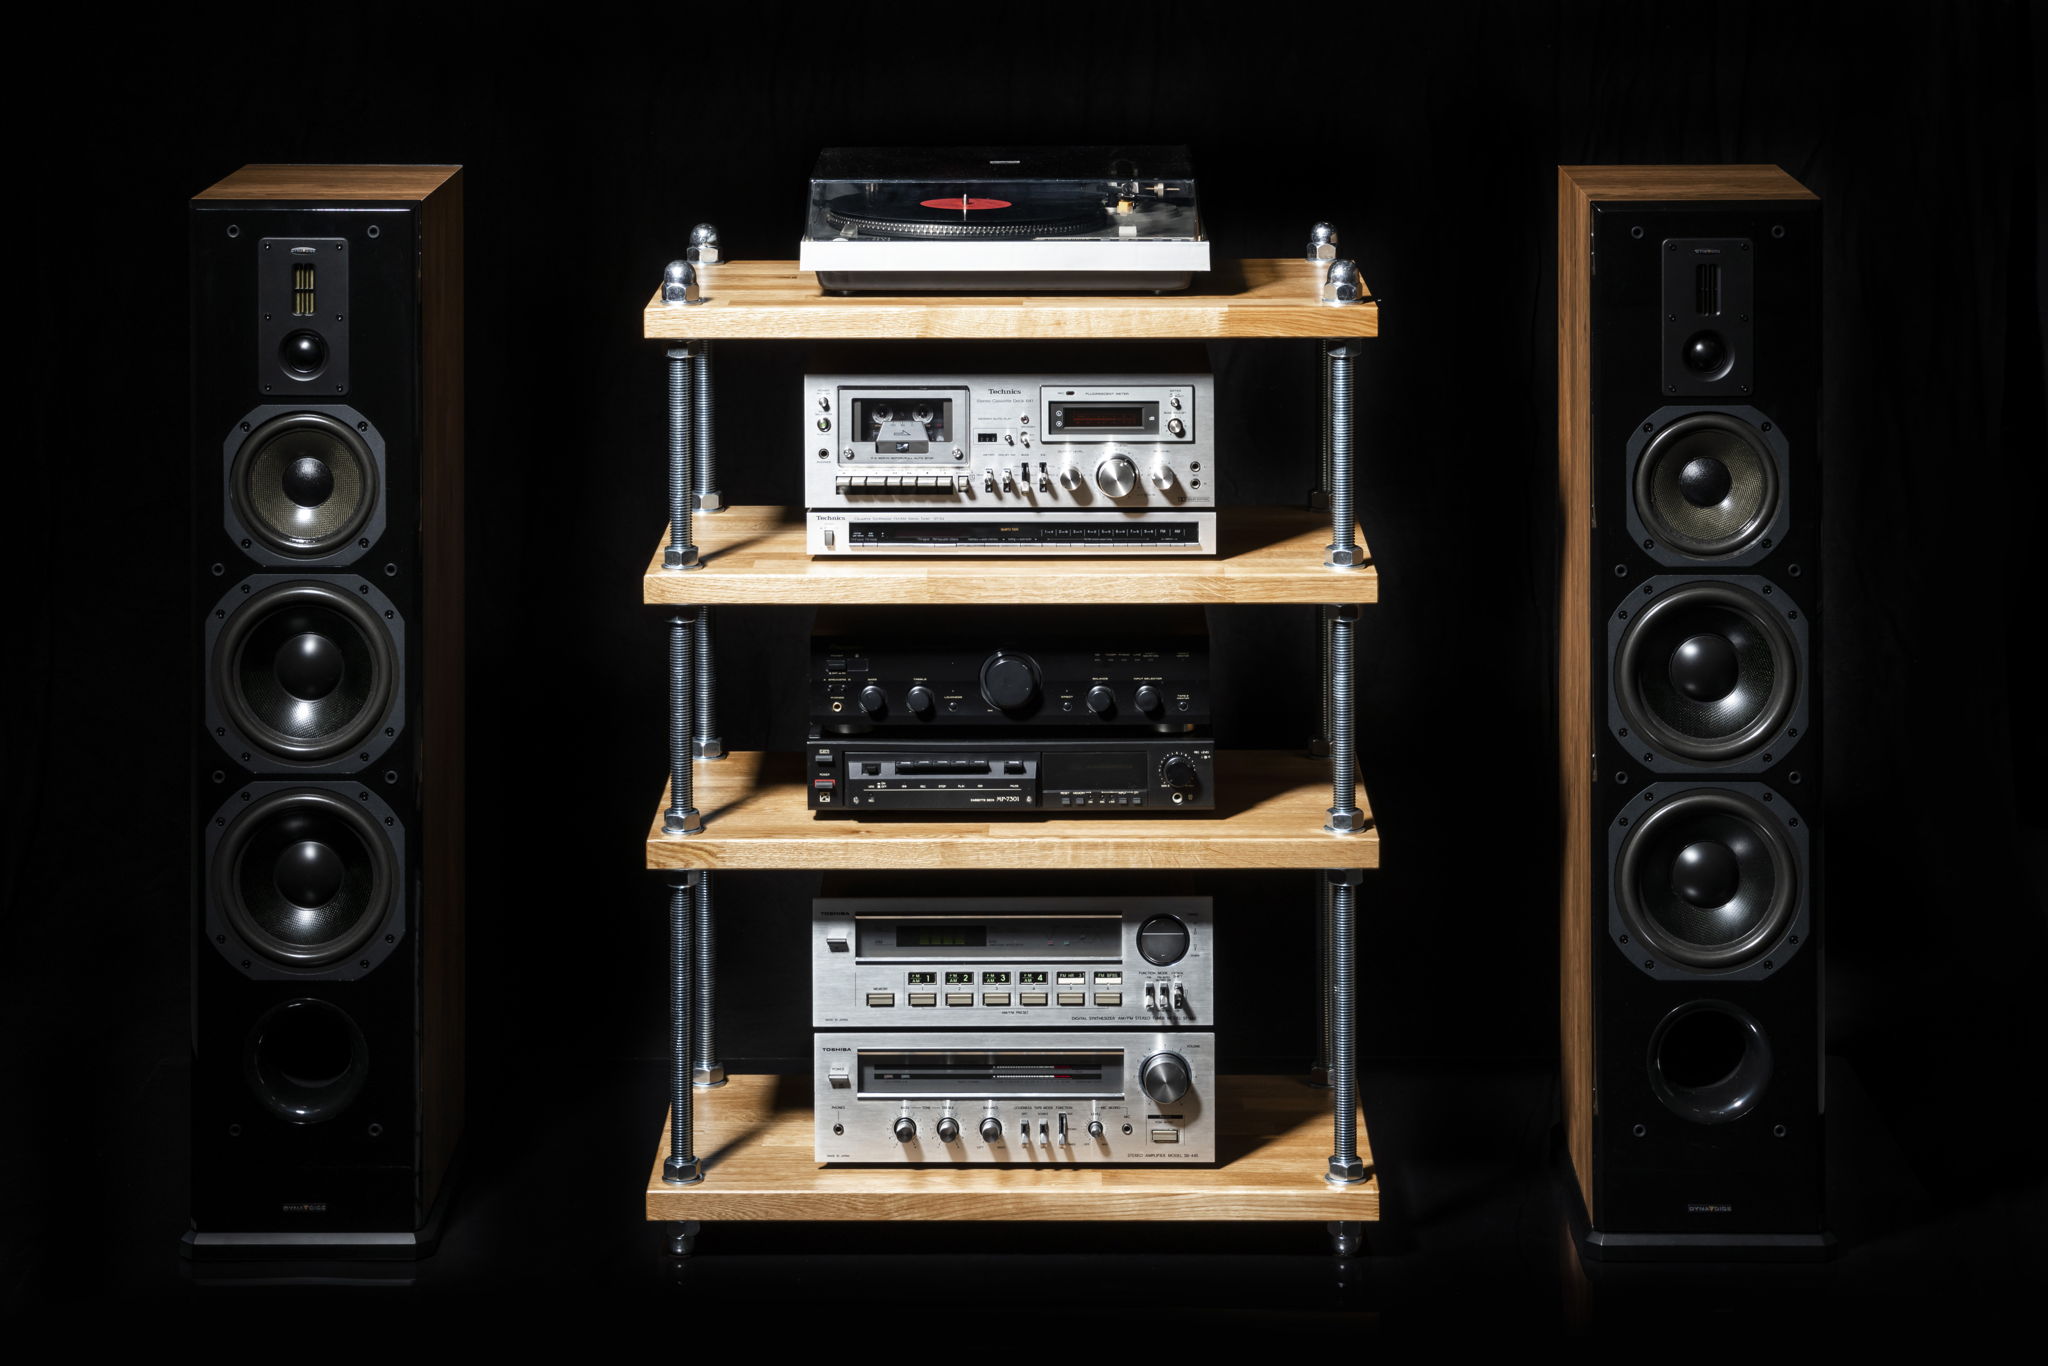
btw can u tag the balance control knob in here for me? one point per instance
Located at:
(1150, 702)
(1116, 476)
(1009, 682)
(1070, 479)
(873, 700)
(1162, 477)
(1177, 771)
(1164, 1077)
(919, 700)
(905, 1128)
(1095, 1128)
(1163, 940)
(1102, 701)
(949, 1129)
(991, 1130)
(1176, 426)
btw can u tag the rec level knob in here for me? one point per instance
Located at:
(920, 701)
(1095, 1128)
(1164, 1077)
(1116, 476)
(905, 1128)
(991, 1130)
(1177, 771)
(949, 1129)
(873, 701)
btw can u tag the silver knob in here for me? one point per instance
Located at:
(1176, 426)
(1162, 477)
(824, 400)
(1095, 1128)
(1116, 476)
(949, 1129)
(1164, 1077)
(905, 1128)
(991, 1130)
(1070, 478)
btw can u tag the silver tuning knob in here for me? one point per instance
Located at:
(1070, 479)
(1116, 476)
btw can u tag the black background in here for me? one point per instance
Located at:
(1430, 136)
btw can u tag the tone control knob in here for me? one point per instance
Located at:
(1102, 702)
(905, 1127)
(1176, 426)
(1070, 479)
(920, 701)
(873, 701)
(991, 1130)
(1164, 1077)
(1163, 940)
(1095, 1128)
(1150, 702)
(1116, 476)
(1177, 771)
(1162, 477)
(949, 1129)
(1009, 682)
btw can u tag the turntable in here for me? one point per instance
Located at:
(915, 220)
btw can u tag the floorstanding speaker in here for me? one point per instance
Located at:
(327, 716)
(1689, 468)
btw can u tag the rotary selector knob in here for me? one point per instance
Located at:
(919, 700)
(1150, 702)
(1162, 477)
(1163, 940)
(1009, 682)
(873, 700)
(1116, 476)
(1177, 771)
(991, 1130)
(1176, 426)
(949, 1129)
(1070, 479)
(1095, 1128)
(1101, 701)
(905, 1128)
(1164, 1077)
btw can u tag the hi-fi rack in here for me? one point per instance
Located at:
(741, 1147)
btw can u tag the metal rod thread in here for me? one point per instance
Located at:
(682, 929)
(1325, 986)
(1344, 1023)
(681, 670)
(1342, 446)
(1329, 406)
(1324, 616)
(682, 545)
(1343, 759)
(704, 685)
(704, 1036)
(704, 458)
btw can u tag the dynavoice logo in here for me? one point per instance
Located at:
(1699, 1207)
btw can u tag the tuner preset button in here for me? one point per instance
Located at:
(1116, 476)
(1149, 701)
(1164, 1077)
(905, 1127)
(919, 701)
(1102, 702)
(991, 1130)
(949, 1129)
(873, 701)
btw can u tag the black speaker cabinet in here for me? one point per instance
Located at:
(327, 721)
(1689, 708)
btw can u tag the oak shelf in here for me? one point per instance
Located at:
(1271, 816)
(775, 301)
(755, 1137)
(755, 556)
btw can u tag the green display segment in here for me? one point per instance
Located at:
(924, 979)
(941, 937)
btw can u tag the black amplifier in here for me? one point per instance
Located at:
(1129, 672)
(852, 776)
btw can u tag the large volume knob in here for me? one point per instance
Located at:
(1101, 701)
(949, 1129)
(1009, 682)
(991, 1130)
(919, 700)
(905, 1128)
(1164, 1077)
(1116, 476)
(873, 701)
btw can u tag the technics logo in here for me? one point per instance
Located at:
(993, 390)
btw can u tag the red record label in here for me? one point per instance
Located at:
(965, 202)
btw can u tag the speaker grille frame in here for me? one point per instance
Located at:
(245, 957)
(235, 738)
(1768, 539)
(252, 542)
(1771, 746)
(1773, 952)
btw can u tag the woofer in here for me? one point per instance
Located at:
(1710, 1062)
(1707, 485)
(1707, 879)
(305, 877)
(304, 483)
(307, 670)
(1706, 672)
(306, 1060)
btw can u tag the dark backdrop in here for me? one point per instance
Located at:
(1428, 134)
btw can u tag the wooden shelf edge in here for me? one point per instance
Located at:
(755, 819)
(754, 555)
(754, 1134)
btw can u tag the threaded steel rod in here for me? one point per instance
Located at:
(1338, 358)
(682, 544)
(681, 818)
(1319, 744)
(705, 1068)
(1345, 1165)
(705, 457)
(1319, 1073)
(704, 686)
(1329, 407)
(682, 1164)
(1344, 813)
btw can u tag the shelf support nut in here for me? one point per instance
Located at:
(1345, 1171)
(679, 285)
(682, 1170)
(703, 245)
(1341, 284)
(1322, 243)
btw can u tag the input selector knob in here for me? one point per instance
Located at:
(905, 1128)
(919, 701)
(1164, 1077)
(991, 1130)
(1102, 702)
(1009, 682)
(949, 1129)
(873, 700)
(1116, 476)
(1149, 701)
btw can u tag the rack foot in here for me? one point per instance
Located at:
(682, 1237)
(1347, 1239)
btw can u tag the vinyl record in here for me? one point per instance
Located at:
(918, 212)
